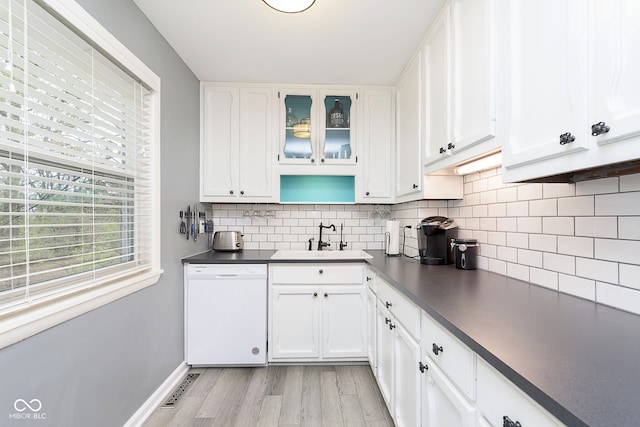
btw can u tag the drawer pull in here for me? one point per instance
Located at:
(387, 320)
(315, 294)
(321, 271)
(369, 279)
(388, 304)
(506, 422)
(422, 367)
(391, 326)
(326, 294)
(436, 349)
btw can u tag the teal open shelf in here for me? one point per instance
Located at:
(317, 189)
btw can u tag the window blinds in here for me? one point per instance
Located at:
(75, 135)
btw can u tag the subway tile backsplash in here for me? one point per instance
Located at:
(582, 239)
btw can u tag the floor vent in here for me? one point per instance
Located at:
(179, 391)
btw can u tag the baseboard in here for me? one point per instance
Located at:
(156, 398)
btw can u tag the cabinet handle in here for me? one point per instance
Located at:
(387, 304)
(599, 129)
(422, 367)
(451, 146)
(321, 271)
(326, 294)
(415, 185)
(436, 349)
(506, 422)
(315, 294)
(442, 150)
(567, 138)
(242, 192)
(369, 279)
(391, 326)
(366, 194)
(387, 320)
(230, 191)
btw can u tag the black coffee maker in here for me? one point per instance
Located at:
(434, 240)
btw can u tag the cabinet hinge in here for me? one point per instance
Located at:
(278, 94)
(356, 159)
(278, 157)
(357, 95)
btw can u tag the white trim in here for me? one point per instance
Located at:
(87, 25)
(158, 396)
(29, 321)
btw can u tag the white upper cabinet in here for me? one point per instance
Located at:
(236, 161)
(317, 126)
(615, 64)
(376, 148)
(546, 79)
(573, 93)
(460, 82)
(408, 132)
(437, 86)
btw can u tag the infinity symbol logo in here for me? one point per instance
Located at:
(21, 405)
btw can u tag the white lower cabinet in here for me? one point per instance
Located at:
(317, 313)
(500, 402)
(398, 355)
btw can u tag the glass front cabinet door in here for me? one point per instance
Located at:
(317, 126)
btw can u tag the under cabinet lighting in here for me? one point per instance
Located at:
(289, 6)
(488, 162)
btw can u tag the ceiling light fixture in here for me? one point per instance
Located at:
(484, 163)
(289, 6)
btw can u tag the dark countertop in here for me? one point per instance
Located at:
(577, 359)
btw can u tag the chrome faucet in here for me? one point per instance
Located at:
(322, 244)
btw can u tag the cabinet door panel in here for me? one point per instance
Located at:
(377, 145)
(344, 320)
(615, 60)
(219, 141)
(437, 60)
(545, 79)
(443, 404)
(384, 354)
(474, 71)
(294, 317)
(408, 141)
(256, 161)
(407, 394)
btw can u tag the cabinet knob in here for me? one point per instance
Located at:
(599, 129)
(315, 294)
(242, 192)
(321, 271)
(326, 294)
(415, 186)
(451, 146)
(391, 326)
(436, 349)
(387, 320)
(313, 160)
(321, 160)
(230, 191)
(506, 422)
(442, 150)
(422, 367)
(567, 138)
(366, 194)
(387, 304)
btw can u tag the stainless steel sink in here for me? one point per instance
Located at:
(285, 254)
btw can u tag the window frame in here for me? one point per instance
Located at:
(48, 310)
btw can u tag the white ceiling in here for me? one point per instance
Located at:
(334, 42)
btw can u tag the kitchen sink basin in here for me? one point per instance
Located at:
(285, 254)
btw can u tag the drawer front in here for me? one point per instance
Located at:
(324, 274)
(454, 358)
(498, 397)
(404, 310)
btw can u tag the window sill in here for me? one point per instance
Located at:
(26, 322)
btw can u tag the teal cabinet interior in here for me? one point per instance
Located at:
(317, 189)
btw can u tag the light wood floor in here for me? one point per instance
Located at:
(328, 396)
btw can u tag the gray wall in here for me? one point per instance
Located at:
(99, 368)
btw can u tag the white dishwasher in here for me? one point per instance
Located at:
(226, 314)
